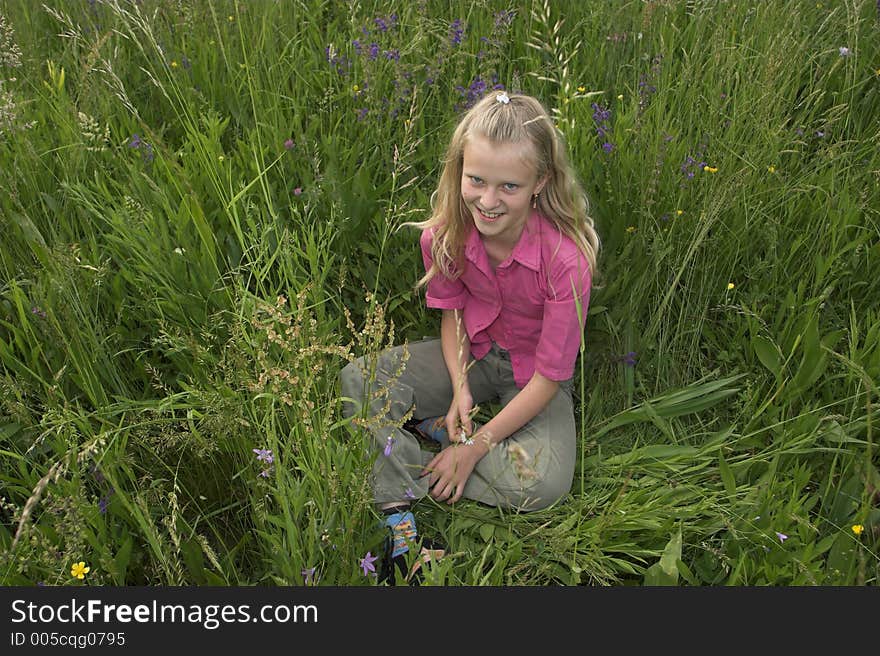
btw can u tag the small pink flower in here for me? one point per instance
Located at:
(298, 191)
(288, 144)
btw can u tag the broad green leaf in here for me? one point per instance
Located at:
(686, 573)
(727, 476)
(767, 353)
(671, 556)
(120, 561)
(665, 571)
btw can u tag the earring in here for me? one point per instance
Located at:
(535, 201)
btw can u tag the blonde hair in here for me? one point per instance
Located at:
(562, 200)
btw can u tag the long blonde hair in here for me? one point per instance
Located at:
(562, 201)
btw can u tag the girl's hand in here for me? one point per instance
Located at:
(449, 471)
(459, 417)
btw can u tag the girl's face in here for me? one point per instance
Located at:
(497, 184)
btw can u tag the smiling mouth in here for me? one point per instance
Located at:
(489, 216)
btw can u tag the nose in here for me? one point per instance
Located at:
(489, 198)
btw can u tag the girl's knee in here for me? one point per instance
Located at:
(545, 493)
(351, 378)
(351, 383)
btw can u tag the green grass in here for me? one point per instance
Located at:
(145, 352)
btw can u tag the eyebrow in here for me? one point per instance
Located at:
(474, 175)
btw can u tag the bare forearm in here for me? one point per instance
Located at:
(456, 348)
(531, 400)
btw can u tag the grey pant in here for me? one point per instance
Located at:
(504, 477)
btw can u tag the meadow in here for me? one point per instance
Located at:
(200, 225)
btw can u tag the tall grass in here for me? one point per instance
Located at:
(200, 206)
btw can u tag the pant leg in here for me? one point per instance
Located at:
(421, 382)
(534, 467)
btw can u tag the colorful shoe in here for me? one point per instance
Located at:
(430, 432)
(392, 570)
(434, 428)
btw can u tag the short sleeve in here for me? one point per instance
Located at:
(563, 323)
(442, 293)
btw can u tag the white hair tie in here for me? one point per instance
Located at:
(503, 98)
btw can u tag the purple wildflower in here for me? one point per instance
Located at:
(374, 51)
(308, 574)
(139, 144)
(693, 164)
(646, 88)
(264, 455)
(97, 473)
(388, 444)
(366, 563)
(456, 32)
(844, 51)
(601, 116)
(504, 18)
(782, 536)
(630, 359)
(38, 312)
(473, 93)
(102, 505)
(408, 493)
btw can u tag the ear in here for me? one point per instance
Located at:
(541, 184)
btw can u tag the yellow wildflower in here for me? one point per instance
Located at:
(355, 88)
(230, 18)
(220, 158)
(79, 570)
(679, 212)
(730, 285)
(857, 529)
(631, 229)
(173, 64)
(771, 168)
(581, 89)
(620, 97)
(710, 169)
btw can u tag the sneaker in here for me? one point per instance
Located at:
(430, 432)
(393, 571)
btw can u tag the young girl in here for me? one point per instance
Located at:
(509, 254)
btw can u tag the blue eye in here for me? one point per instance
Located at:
(476, 180)
(510, 186)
